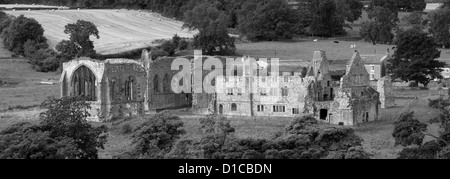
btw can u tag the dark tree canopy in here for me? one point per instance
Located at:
(20, 30)
(62, 133)
(304, 138)
(213, 37)
(380, 28)
(79, 44)
(415, 58)
(267, 20)
(392, 5)
(410, 133)
(155, 137)
(411, 5)
(440, 26)
(325, 19)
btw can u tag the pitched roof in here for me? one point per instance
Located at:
(373, 59)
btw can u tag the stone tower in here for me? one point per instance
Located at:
(319, 64)
(384, 87)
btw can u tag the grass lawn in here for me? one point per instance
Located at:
(22, 88)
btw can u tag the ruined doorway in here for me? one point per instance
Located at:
(323, 114)
(332, 94)
(367, 117)
(220, 109)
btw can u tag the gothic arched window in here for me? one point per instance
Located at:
(156, 85)
(83, 83)
(112, 89)
(166, 84)
(129, 88)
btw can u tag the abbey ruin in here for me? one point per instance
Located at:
(341, 92)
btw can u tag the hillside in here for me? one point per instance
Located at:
(120, 30)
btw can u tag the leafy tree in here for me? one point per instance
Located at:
(325, 19)
(446, 4)
(156, 137)
(267, 20)
(203, 15)
(79, 44)
(62, 133)
(40, 56)
(213, 37)
(19, 31)
(411, 5)
(415, 19)
(410, 131)
(169, 47)
(28, 141)
(349, 10)
(304, 138)
(415, 58)
(215, 40)
(66, 117)
(439, 103)
(4, 23)
(439, 26)
(392, 5)
(380, 28)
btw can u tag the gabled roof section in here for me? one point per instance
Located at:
(356, 65)
(375, 58)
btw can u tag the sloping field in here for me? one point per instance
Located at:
(120, 30)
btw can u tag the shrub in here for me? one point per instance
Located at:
(155, 137)
(439, 103)
(19, 31)
(169, 47)
(126, 129)
(183, 45)
(156, 53)
(63, 133)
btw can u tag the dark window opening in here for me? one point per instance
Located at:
(130, 88)
(323, 114)
(156, 85)
(233, 107)
(221, 109)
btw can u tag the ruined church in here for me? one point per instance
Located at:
(119, 88)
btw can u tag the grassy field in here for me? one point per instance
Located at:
(119, 31)
(303, 49)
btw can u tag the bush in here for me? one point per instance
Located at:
(63, 133)
(439, 103)
(156, 53)
(155, 137)
(19, 31)
(304, 138)
(169, 47)
(183, 45)
(126, 129)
